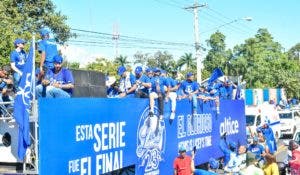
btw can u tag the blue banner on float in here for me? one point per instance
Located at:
(95, 136)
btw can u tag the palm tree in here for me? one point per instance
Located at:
(121, 60)
(188, 60)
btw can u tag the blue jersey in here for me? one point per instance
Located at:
(161, 82)
(18, 58)
(50, 48)
(189, 87)
(64, 76)
(144, 79)
(257, 150)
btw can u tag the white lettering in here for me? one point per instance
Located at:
(73, 166)
(83, 170)
(97, 145)
(229, 126)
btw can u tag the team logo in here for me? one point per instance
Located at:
(151, 137)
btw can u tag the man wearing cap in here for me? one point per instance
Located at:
(190, 89)
(268, 133)
(158, 92)
(127, 81)
(183, 164)
(48, 49)
(17, 61)
(142, 84)
(58, 82)
(257, 149)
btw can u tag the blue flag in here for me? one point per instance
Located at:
(23, 103)
(217, 72)
(238, 93)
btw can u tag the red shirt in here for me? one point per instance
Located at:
(183, 165)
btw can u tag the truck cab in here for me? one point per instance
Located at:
(287, 123)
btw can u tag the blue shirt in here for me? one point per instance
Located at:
(189, 87)
(144, 79)
(257, 149)
(161, 82)
(50, 48)
(64, 76)
(18, 58)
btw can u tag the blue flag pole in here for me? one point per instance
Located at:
(23, 101)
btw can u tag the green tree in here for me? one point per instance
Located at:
(103, 65)
(294, 52)
(262, 64)
(20, 19)
(163, 60)
(140, 58)
(122, 60)
(217, 56)
(188, 61)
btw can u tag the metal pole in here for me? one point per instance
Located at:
(197, 42)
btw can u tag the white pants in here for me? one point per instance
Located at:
(173, 97)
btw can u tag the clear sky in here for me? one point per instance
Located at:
(166, 22)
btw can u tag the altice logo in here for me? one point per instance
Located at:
(229, 126)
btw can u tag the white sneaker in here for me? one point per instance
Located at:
(172, 116)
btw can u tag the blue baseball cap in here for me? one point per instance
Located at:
(19, 41)
(58, 59)
(149, 70)
(182, 148)
(189, 74)
(121, 70)
(156, 69)
(44, 31)
(138, 70)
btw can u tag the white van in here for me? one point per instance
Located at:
(256, 116)
(289, 119)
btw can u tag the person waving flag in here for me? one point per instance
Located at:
(22, 103)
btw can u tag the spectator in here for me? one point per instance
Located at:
(48, 49)
(142, 84)
(58, 82)
(17, 61)
(258, 150)
(252, 169)
(190, 89)
(271, 167)
(184, 164)
(295, 159)
(127, 81)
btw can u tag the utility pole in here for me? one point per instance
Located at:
(116, 37)
(197, 38)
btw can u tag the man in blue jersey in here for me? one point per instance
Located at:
(258, 150)
(48, 49)
(58, 82)
(142, 84)
(17, 61)
(190, 89)
(158, 92)
(173, 87)
(127, 81)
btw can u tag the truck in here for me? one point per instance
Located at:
(290, 119)
(111, 135)
(256, 116)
